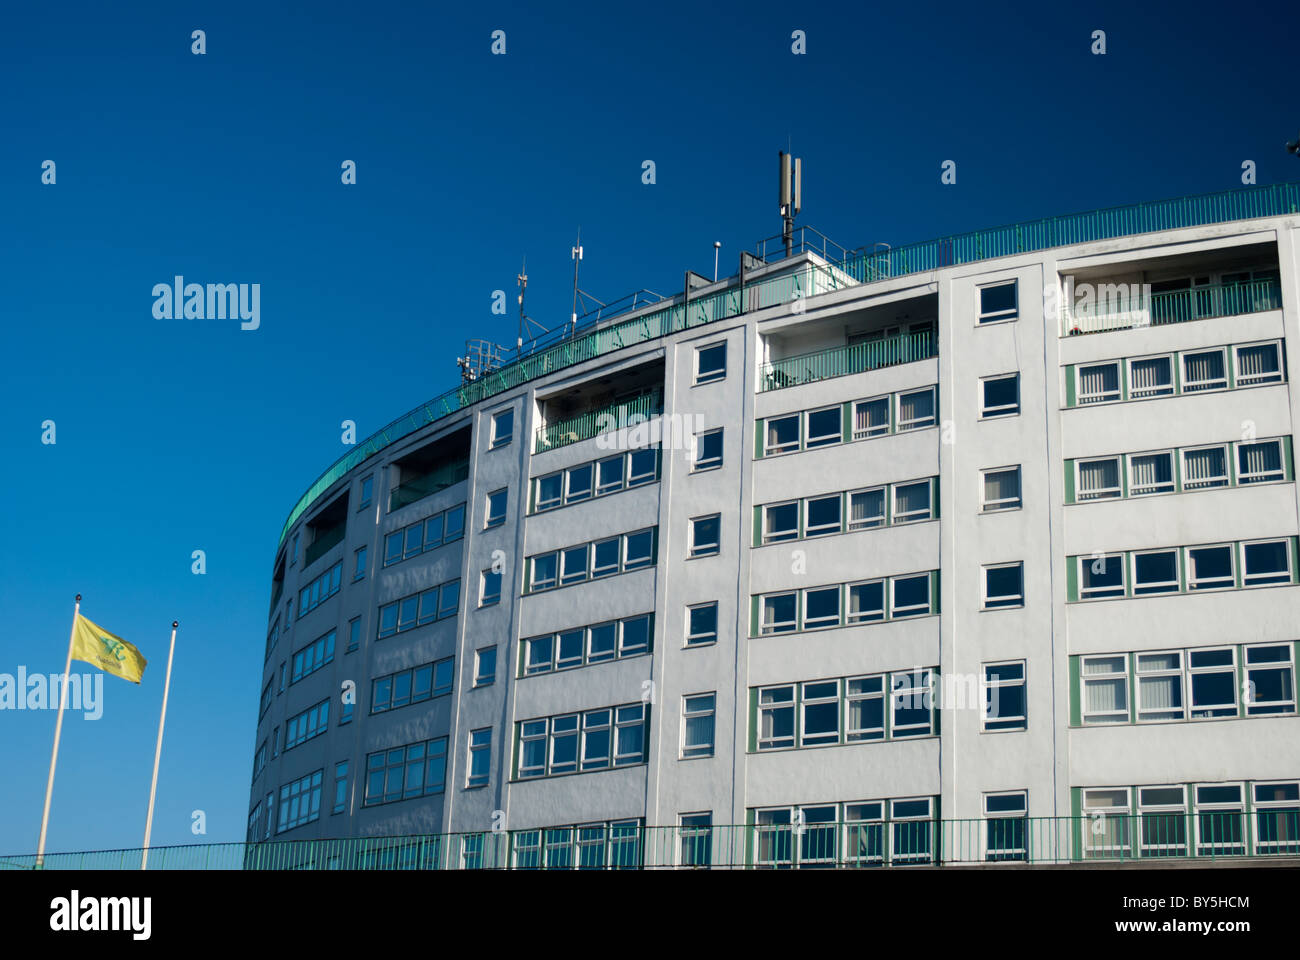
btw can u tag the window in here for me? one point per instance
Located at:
(780, 522)
(871, 418)
(490, 590)
(916, 409)
(642, 467)
(1160, 686)
(1205, 467)
(1204, 370)
(911, 700)
(549, 492)
(312, 657)
(1155, 571)
(503, 428)
(782, 435)
(708, 450)
(629, 734)
(601, 641)
(294, 558)
(701, 624)
(340, 787)
(275, 743)
(1259, 462)
(367, 492)
(1162, 820)
(320, 590)
(402, 773)
(706, 532)
(1004, 696)
(579, 483)
(605, 557)
(1101, 576)
(268, 694)
(911, 595)
(1258, 363)
(573, 564)
(779, 612)
(1006, 826)
(1219, 820)
(1150, 377)
(697, 725)
(1212, 677)
(1270, 679)
(1000, 489)
(696, 831)
(1110, 824)
(821, 608)
(1004, 585)
(543, 574)
(1151, 473)
(1098, 479)
(640, 548)
(865, 714)
(998, 302)
(1277, 815)
(435, 603)
(300, 801)
(634, 636)
(354, 635)
(911, 501)
(776, 717)
(1105, 689)
(820, 706)
(867, 508)
(824, 515)
(1098, 382)
(867, 601)
(1000, 396)
(310, 723)
(1265, 562)
(415, 685)
(359, 565)
(480, 756)
(1209, 568)
(824, 427)
(496, 508)
(427, 534)
(710, 363)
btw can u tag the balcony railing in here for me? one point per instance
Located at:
(842, 361)
(1240, 204)
(1128, 311)
(1203, 837)
(426, 484)
(595, 422)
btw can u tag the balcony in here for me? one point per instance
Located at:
(426, 484)
(842, 361)
(592, 423)
(1128, 310)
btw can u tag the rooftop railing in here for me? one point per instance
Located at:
(1239, 204)
(842, 361)
(1206, 836)
(1128, 310)
(584, 426)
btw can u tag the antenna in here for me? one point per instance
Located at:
(577, 259)
(790, 196)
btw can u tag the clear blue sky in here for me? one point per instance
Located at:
(176, 435)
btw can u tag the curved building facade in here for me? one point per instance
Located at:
(950, 552)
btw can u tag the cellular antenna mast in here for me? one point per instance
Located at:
(578, 292)
(790, 196)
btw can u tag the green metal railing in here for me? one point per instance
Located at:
(1125, 309)
(1239, 204)
(321, 545)
(841, 361)
(584, 426)
(426, 484)
(1202, 836)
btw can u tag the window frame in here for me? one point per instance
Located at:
(1014, 601)
(1089, 400)
(708, 637)
(1169, 486)
(1270, 578)
(1253, 380)
(701, 464)
(985, 317)
(491, 519)
(1001, 410)
(505, 415)
(692, 750)
(696, 549)
(1149, 393)
(1123, 676)
(1006, 503)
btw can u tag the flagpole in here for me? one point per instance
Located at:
(58, 731)
(157, 754)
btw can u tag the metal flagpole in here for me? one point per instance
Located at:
(157, 754)
(58, 731)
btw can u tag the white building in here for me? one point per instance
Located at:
(1048, 465)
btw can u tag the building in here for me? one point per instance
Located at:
(979, 549)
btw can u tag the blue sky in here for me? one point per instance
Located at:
(177, 435)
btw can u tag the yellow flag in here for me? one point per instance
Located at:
(111, 654)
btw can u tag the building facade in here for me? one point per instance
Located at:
(984, 549)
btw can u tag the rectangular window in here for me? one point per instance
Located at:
(1151, 473)
(1004, 585)
(1220, 817)
(1210, 568)
(480, 757)
(1204, 370)
(782, 435)
(696, 832)
(300, 801)
(629, 735)
(867, 508)
(605, 557)
(1212, 678)
(916, 409)
(867, 601)
(1000, 489)
(821, 608)
(532, 749)
(1098, 382)
(824, 427)
(1111, 837)
(1277, 818)
(543, 575)
(710, 363)
(448, 599)
(911, 701)
(1205, 467)
(702, 624)
(1259, 462)
(550, 491)
(354, 635)
(485, 666)
(1265, 562)
(912, 501)
(573, 564)
(453, 525)
(634, 635)
(310, 723)
(579, 483)
(1006, 826)
(1270, 679)
(697, 725)
(1000, 396)
(359, 565)
(642, 467)
(312, 657)
(340, 787)
(639, 550)
(776, 717)
(1162, 819)
(1098, 479)
(503, 428)
(609, 475)
(367, 492)
(490, 591)
(496, 508)
(998, 302)
(819, 703)
(1160, 686)
(403, 773)
(539, 654)
(781, 522)
(865, 708)
(871, 418)
(601, 641)
(1155, 571)
(708, 450)
(706, 534)
(823, 515)
(911, 595)
(1258, 363)
(779, 612)
(1150, 377)
(1101, 576)
(1005, 699)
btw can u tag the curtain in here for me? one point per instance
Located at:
(1204, 468)
(1151, 377)
(912, 500)
(1097, 475)
(1152, 472)
(1099, 383)
(1001, 486)
(1204, 371)
(1259, 459)
(1257, 363)
(916, 407)
(871, 417)
(867, 508)
(1104, 696)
